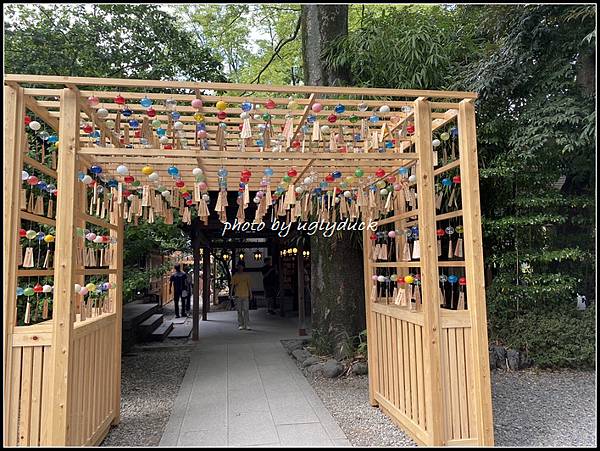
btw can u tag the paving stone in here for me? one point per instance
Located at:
(251, 428)
(241, 388)
(307, 434)
(212, 437)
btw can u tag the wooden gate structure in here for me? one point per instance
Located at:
(409, 161)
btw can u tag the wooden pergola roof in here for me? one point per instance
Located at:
(42, 97)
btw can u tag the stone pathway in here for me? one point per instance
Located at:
(242, 389)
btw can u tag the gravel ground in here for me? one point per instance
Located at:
(531, 408)
(149, 385)
(544, 408)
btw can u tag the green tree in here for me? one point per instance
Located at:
(534, 70)
(236, 32)
(95, 40)
(537, 123)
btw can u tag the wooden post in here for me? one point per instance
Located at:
(14, 135)
(205, 283)
(473, 247)
(64, 294)
(214, 282)
(116, 263)
(371, 332)
(300, 275)
(196, 300)
(429, 274)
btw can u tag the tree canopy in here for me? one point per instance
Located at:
(97, 40)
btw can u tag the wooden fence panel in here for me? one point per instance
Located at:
(93, 388)
(28, 404)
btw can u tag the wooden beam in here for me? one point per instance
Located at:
(116, 277)
(39, 166)
(244, 87)
(435, 409)
(14, 139)
(171, 154)
(372, 356)
(34, 106)
(311, 100)
(473, 247)
(99, 123)
(63, 307)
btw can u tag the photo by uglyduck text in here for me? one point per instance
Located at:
(283, 228)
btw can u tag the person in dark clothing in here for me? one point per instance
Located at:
(177, 284)
(271, 284)
(188, 290)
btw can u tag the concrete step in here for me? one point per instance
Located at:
(181, 331)
(153, 321)
(149, 325)
(135, 313)
(161, 331)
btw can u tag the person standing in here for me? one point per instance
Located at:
(190, 285)
(177, 284)
(270, 283)
(242, 290)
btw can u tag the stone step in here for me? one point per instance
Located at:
(162, 331)
(135, 313)
(181, 331)
(149, 325)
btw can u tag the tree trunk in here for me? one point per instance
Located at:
(337, 290)
(337, 293)
(321, 24)
(586, 73)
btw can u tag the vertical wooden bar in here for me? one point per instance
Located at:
(419, 363)
(36, 396)
(406, 358)
(78, 390)
(117, 305)
(469, 383)
(81, 197)
(14, 134)
(384, 357)
(63, 302)
(454, 387)
(399, 348)
(371, 332)
(25, 410)
(394, 362)
(463, 392)
(446, 384)
(414, 402)
(45, 407)
(87, 385)
(429, 272)
(15, 391)
(473, 251)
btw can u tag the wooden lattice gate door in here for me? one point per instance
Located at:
(424, 290)
(62, 368)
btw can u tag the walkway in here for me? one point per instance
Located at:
(242, 389)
